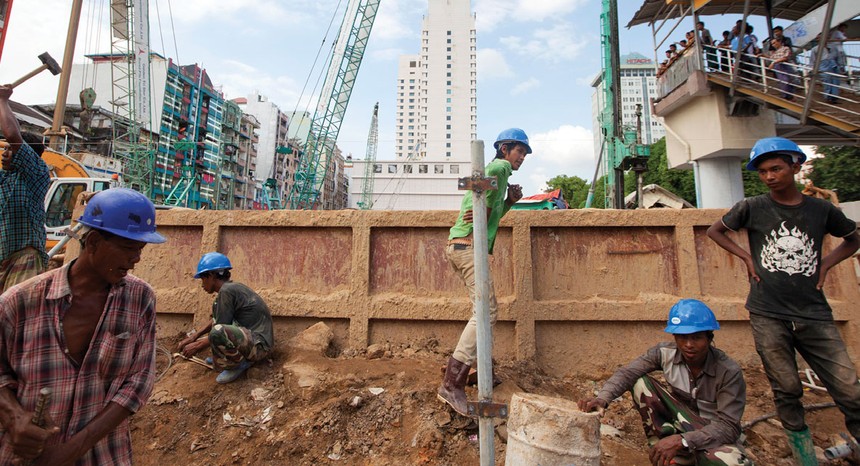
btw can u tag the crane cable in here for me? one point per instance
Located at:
(316, 59)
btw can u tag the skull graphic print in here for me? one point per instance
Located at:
(790, 251)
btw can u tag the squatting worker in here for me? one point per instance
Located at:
(87, 332)
(787, 269)
(697, 421)
(240, 332)
(24, 181)
(511, 146)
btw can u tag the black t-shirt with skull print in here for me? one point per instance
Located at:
(785, 243)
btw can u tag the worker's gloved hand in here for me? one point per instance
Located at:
(467, 216)
(5, 92)
(592, 404)
(27, 439)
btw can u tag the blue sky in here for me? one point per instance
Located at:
(536, 59)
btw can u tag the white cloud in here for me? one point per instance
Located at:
(556, 44)
(391, 21)
(492, 64)
(566, 145)
(566, 150)
(386, 54)
(525, 86)
(493, 14)
(540, 10)
(237, 79)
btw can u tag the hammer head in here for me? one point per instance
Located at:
(50, 63)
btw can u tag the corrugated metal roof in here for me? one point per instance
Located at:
(653, 11)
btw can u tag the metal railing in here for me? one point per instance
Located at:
(836, 88)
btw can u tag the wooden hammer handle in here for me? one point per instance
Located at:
(28, 76)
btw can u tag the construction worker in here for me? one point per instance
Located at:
(86, 331)
(511, 146)
(240, 332)
(786, 268)
(697, 421)
(24, 181)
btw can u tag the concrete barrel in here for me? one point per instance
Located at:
(549, 431)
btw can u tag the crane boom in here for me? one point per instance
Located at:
(366, 202)
(334, 98)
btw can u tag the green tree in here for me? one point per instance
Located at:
(575, 190)
(838, 170)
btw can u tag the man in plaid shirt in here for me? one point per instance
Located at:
(87, 332)
(24, 181)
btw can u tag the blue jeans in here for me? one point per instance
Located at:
(823, 349)
(830, 68)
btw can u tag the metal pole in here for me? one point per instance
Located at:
(742, 32)
(486, 429)
(65, 75)
(590, 198)
(822, 45)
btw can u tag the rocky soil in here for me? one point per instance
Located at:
(312, 404)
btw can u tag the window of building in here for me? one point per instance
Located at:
(453, 169)
(377, 167)
(412, 64)
(449, 33)
(448, 57)
(422, 168)
(447, 144)
(449, 41)
(449, 49)
(439, 169)
(447, 126)
(407, 169)
(447, 109)
(392, 168)
(448, 74)
(448, 117)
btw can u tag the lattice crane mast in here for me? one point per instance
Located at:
(366, 202)
(131, 95)
(334, 98)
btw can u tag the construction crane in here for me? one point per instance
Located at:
(343, 68)
(621, 148)
(130, 100)
(366, 202)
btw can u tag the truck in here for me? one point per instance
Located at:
(70, 177)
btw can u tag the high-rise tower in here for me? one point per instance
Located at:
(436, 89)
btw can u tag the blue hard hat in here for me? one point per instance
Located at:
(122, 212)
(212, 261)
(775, 144)
(513, 135)
(690, 316)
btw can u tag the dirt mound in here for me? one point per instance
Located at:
(325, 407)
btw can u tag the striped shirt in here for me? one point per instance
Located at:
(22, 203)
(118, 367)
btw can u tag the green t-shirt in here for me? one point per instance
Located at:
(501, 169)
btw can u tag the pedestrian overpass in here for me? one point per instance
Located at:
(714, 111)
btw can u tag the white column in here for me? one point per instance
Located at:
(719, 182)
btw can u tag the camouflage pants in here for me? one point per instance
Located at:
(20, 266)
(663, 415)
(231, 344)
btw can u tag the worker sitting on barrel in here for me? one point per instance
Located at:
(240, 332)
(697, 421)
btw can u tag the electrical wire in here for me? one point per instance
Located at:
(161, 349)
(316, 59)
(173, 31)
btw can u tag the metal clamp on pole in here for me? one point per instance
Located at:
(487, 409)
(477, 183)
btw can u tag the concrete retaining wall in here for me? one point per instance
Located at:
(580, 292)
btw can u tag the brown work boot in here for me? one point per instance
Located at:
(453, 386)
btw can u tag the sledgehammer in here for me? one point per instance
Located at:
(48, 63)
